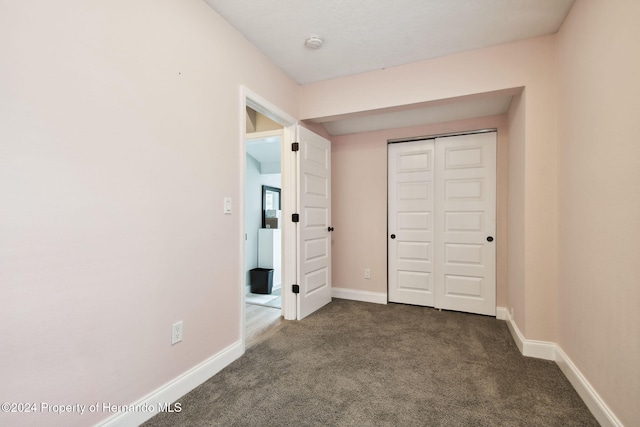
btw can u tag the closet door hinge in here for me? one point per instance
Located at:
(295, 289)
(295, 217)
(295, 146)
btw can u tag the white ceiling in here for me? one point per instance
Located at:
(367, 35)
(266, 150)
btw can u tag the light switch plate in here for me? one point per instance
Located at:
(227, 206)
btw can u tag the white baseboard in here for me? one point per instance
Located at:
(502, 313)
(364, 296)
(175, 389)
(551, 351)
(532, 348)
(591, 398)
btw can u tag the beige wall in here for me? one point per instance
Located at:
(599, 199)
(516, 212)
(119, 134)
(359, 202)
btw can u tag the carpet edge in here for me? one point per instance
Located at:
(176, 388)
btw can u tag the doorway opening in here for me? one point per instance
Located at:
(305, 202)
(263, 224)
(267, 128)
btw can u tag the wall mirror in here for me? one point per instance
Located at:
(270, 201)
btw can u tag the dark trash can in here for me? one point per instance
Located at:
(261, 280)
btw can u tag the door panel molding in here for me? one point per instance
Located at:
(313, 235)
(410, 222)
(441, 209)
(466, 216)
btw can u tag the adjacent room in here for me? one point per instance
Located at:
(263, 224)
(141, 186)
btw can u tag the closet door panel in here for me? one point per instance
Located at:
(465, 253)
(410, 222)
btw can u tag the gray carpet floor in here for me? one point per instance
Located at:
(361, 364)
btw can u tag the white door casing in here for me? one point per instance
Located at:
(442, 211)
(313, 235)
(410, 222)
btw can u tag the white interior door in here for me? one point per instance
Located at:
(442, 221)
(466, 218)
(314, 207)
(410, 222)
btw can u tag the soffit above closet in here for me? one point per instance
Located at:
(492, 104)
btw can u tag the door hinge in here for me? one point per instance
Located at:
(295, 289)
(295, 218)
(295, 146)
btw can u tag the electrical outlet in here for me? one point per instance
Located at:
(367, 273)
(176, 332)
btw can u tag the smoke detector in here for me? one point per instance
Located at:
(313, 42)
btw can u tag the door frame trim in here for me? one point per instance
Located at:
(249, 98)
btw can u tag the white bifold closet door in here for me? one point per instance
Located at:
(442, 221)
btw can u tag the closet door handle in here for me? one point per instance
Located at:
(329, 229)
(393, 236)
(490, 239)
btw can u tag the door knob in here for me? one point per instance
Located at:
(393, 236)
(490, 239)
(329, 229)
